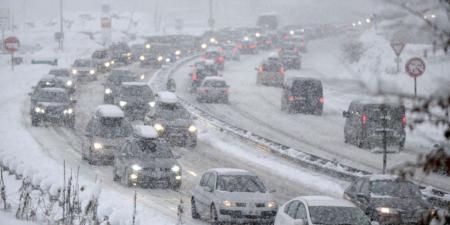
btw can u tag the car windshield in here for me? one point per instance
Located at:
(400, 189)
(111, 128)
(60, 73)
(337, 215)
(50, 96)
(99, 54)
(240, 183)
(82, 63)
(136, 91)
(172, 111)
(117, 77)
(215, 83)
(153, 148)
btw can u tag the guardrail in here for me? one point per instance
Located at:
(436, 197)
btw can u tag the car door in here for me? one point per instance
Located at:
(199, 195)
(210, 195)
(366, 192)
(121, 157)
(289, 213)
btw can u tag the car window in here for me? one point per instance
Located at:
(82, 63)
(301, 212)
(204, 180)
(240, 183)
(48, 96)
(357, 186)
(365, 187)
(292, 209)
(211, 181)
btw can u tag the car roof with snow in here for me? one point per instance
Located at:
(167, 97)
(145, 131)
(325, 201)
(273, 55)
(215, 78)
(47, 77)
(230, 171)
(53, 89)
(382, 177)
(111, 111)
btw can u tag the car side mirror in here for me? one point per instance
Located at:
(208, 189)
(361, 196)
(299, 222)
(345, 114)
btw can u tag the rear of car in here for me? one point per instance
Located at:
(291, 60)
(302, 95)
(213, 89)
(135, 99)
(248, 46)
(270, 73)
(84, 69)
(370, 125)
(217, 57)
(202, 71)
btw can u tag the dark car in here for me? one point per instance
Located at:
(102, 60)
(248, 46)
(301, 94)
(157, 55)
(113, 82)
(172, 121)
(202, 70)
(135, 99)
(388, 199)
(63, 75)
(137, 50)
(48, 81)
(367, 123)
(213, 89)
(120, 53)
(215, 54)
(52, 105)
(291, 59)
(270, 72)
(146, 160)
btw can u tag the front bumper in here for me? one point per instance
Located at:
(238, 215)
(102, 156)
(156, 178)
(53, 117)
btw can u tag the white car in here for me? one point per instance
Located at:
(320, 210)
(232, 195)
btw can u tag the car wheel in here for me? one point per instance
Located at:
(214, 219)
(115, 176)
(194, 212)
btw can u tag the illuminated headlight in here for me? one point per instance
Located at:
(246, 38)
(142, 77)
(204, 46)
(177, 177)
(385, 210)
(129, 54)
(74, 71)
(192, 129)
(292, 32)
(158, 127)
(112, 62)
(98, 146)
(160, 58)
(122, 103)
(133, 176)
(227, 203)
(107, 64)
(212, 40)
(108, 91)
(39, 110)
(167, 60)
(271, 204)
(68, 111)
(91, 72)
(69, 83)
(178, 52)
(142, 58)
(147, 46)
(47, 83)
(152, 104)
(136, 167)
(258, 35)
(175, 169)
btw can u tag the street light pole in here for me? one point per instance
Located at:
(61, 23)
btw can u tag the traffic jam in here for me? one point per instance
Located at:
(149, 136)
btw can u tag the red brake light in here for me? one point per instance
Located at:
(291, 98)
(261, 69)
(321, 100)
(220, 59)
(281, 71)
(404, 121)
(364, 119)
(194, 75)
(252, 46)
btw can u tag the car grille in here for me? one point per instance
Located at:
(157, 169)
(240, 204)
(176, 129)
(260, 205)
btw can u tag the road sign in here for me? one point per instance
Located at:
(106, 22)
(398, 48)
(11, 44)
(415, 67)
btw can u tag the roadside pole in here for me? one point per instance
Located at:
(415, 67)
(384, 110)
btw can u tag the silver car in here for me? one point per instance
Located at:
(270, 72)
(135, 99)
(232, 195)
(105, 133)
(213, 89)
(84, 69)
(146, 160)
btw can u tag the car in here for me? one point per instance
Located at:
(264, 41)
(64, 76)
(288, 46)
(388, 199)
(248, 46)
(48, 81)
(202, 70)
(226, 195)
(270, 72)
(368, 122)
(291, 60)
(318, 210)
(113, 82)
(135, 99)
(231, 52)
(158, 55)
(215, 54)
(120, 53)
(102, 60)
(52, 105)
(302, 94)
(146, 160)
(106, 131)
(299, 42)
(172, 121)
(137, 50)
(213, 89)
(84, 68)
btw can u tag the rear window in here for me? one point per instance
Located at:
(138, 91)
(271, 67)
(378, 112)
(99, 54)
(312, 88)
(215, 83)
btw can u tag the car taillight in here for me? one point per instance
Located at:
(220, 59)
(291, 98)
(225, 91)
(194, 76)
(252, 46)
(203, 90)
(364, 119)
(260, 69)
(404, 121)
(281, 71)
(321, 100)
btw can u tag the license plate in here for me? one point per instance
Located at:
(156, 174)
(253, 213)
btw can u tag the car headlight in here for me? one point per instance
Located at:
(192, 129)
(204, 46)
(136, 167)
(69, 83)
(122, 103)
(39, 110)
(167, 60)
(385, 210)
(271, 204)
(160, 58)
(74, 71)
(175, 169)
(129, 54)
(107, 64)
(147, 46)
(68, 111)
(227, 203)
(133, 176)
(258, 35)
(177, 52)
(152, 104)
(142, 77)
(112, 62)
(98, 146)
(178, 177)
(142, 58)
(158, 127)
(108, 91)
(92, 72)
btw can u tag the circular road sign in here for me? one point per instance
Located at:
(12, 44)
(415, 67)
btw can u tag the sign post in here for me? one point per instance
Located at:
(4, 22)
(415, 67)
(12, 45)
(398, 48)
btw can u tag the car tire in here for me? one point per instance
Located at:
(34, 121)
(194, 213)
(115, 176)
(214, 219)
